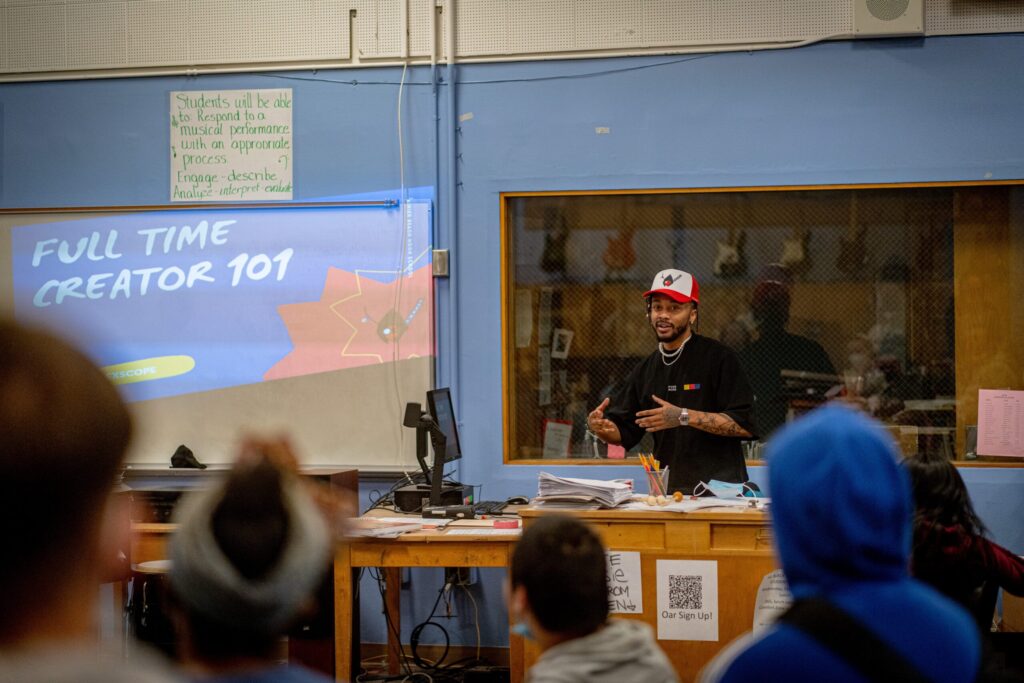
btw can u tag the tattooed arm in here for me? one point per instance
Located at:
(717, 423)
(666, 416)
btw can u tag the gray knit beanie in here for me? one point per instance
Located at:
(206, 581)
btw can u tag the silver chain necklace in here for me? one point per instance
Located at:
(674, 355)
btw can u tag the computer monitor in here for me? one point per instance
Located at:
(439, 426)
(439, 403)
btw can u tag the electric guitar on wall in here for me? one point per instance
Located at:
(853, 253)
(731, 261)
(794, 251)
(619, 256)
(556, 234)
(677, 243)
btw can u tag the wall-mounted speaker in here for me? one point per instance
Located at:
(872, 18)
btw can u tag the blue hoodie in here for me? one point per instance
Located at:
(841, 512)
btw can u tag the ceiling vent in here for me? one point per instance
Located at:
(874, 18)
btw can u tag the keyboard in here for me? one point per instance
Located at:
(489, 507)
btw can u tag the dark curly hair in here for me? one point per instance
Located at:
(561, 563)
(946, 530)
(940, 495)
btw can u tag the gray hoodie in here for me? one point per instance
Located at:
(624, 651)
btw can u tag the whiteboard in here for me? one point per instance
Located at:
(316, 322)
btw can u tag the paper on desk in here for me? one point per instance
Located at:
(1001, 423)
(382, 531)
(390, 527)
(565, 503)
(481, 531)
(695, 504)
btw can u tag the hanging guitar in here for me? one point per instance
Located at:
(677, 243)
(555, 236)
(731, 261)
(853, 253)
(794, 251)
(619, 256)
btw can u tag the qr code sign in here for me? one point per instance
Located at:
(685, 592)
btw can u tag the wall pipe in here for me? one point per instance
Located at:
(453, 212)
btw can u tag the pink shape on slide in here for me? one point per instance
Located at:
(356, 322)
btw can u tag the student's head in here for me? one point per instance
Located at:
(558, 576)
(841, 504)
(770, 302)
(770, 306)
(245, 561)
(860, 354)
(63, 435)
(940, 495)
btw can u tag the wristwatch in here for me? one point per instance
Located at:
(684, 418)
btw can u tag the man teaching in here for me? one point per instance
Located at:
(691, 393)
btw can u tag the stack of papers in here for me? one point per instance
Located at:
(583, 491)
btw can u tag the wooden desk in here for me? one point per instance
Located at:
(421, 549)
(740, 541)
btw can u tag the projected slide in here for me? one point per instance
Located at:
(175, 302)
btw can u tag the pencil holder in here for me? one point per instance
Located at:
(657, 482)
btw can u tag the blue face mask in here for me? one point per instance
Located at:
(521, 628)
(725, 489)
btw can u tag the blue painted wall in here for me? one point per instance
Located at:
(866, 112)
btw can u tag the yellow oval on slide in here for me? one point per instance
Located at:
(147, 369)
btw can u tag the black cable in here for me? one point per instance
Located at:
(387, 618)
(414, 642)
(455, 671)
(590, 74)
(355, 601)
(414, 637)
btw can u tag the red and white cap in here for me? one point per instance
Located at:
(677, 285)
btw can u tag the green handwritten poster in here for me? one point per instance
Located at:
(231, 145)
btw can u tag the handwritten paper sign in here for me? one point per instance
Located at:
(773, 598)
(1001, 423)
(625, 586)
(557, 436)
(687, 600)
(231, 145)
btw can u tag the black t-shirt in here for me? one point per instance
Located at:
(707, 377)
(765, 359)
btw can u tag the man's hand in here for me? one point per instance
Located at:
(605, 429)
(665, 416)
